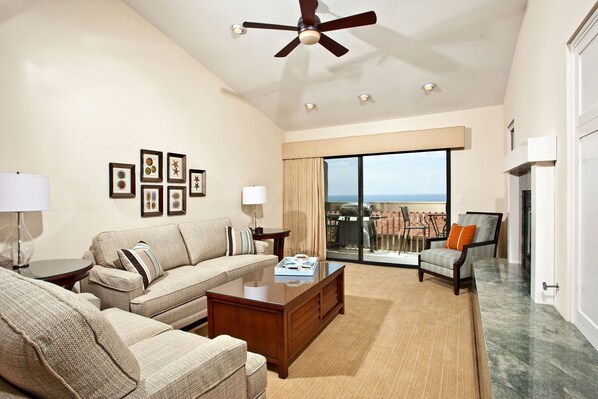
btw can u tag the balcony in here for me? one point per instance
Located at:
(384, 238)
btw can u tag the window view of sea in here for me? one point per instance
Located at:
(390, 198)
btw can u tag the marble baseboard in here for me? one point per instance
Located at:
(532, 352)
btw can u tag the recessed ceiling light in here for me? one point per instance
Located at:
(364, 97)
(429, 86)
(310, 106)
(237, 29)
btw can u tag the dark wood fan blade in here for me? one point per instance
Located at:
(308, 11)
(333, 46)
(288, 48)
(367, 18)
(260, 25)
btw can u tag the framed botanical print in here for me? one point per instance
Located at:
(177, 200)
(122, 180)
(197, 183)
(151, 166)
(151, 200)
(177, 168)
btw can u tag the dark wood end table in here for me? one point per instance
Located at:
(62, 272)
(277, 235)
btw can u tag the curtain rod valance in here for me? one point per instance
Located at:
(412, 140)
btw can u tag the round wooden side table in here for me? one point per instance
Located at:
(62, 272)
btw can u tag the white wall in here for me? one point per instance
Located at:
(536, 98)
(84, 83)
(475, 171)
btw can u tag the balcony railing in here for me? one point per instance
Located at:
(384, 228)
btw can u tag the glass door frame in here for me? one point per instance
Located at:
(360, 198)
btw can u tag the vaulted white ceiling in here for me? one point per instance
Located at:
(464, 46)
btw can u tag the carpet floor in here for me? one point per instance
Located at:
(398, 338)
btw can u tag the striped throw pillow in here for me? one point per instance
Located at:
(460, 236)
(239, 242)
(141, 260)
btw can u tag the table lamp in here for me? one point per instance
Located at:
(255, 195)
(22, 193)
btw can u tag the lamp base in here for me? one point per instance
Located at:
(259, 230)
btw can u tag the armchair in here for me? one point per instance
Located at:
(443, 262)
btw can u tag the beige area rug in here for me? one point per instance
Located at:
(398, 338)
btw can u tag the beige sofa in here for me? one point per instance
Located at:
(56, 344)
(192, 255)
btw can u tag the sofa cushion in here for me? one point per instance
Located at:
(55, 344)
(485, 225)
(444, 257)
(158, 351)
(239, 242)
(165, 241)
(176, 287)
(205, 239)
(141, 260)
(133, 328)
(239, 265)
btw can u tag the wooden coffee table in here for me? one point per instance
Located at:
(278, 316)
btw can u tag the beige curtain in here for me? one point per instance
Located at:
(303, 208)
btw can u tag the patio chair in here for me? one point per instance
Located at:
(408, 228)
(444, 262)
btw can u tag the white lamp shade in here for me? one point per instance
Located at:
(255, 195)
(22, 193)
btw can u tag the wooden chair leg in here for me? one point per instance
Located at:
(420, 274)
(456, 281)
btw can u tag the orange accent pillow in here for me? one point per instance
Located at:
(460, 236)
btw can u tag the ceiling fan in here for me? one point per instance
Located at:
(310, 29)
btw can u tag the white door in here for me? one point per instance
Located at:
(585, 108)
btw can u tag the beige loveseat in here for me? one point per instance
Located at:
(192, 255)
(55, 344)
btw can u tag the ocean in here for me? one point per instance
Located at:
(390, 198)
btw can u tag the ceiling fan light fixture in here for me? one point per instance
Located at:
(309, 36)
(237, 29)
(429, 86)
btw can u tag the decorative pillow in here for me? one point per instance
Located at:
(460, 236)
(141, 260)
(239, 242)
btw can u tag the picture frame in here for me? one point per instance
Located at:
(122, 180)
(176, 200)
(150, 167)
(177, 168)
(197, 183)
(152, 199)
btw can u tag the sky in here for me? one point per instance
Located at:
(407, 173)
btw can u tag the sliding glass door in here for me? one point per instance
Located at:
(381, 208)
(342, 200)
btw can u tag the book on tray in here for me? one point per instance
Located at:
(298, 265)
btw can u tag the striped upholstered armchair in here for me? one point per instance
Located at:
(456, 265)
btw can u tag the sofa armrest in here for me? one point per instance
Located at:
(260, 247)
(200, 372)
(115, 288)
